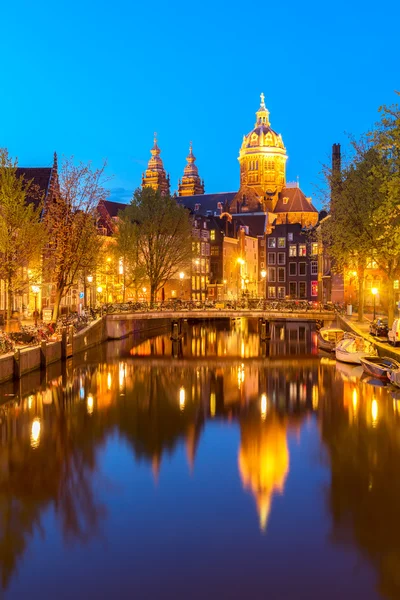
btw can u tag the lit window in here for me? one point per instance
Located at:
(293, 250)
(281, 293)
(212, 235)
(302, 250)
(281, 242)
(314, 248)
(314, 288)
(396, 284)
(290, 237)
(271, 242)
(271, 291)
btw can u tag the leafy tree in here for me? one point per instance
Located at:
(127, 250)
(162, 235)
(70, 221)
(21, 232)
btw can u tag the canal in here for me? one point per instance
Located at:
(217, 467)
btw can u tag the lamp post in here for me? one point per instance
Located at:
(240, 263)
(181, 277)
(99, 291)
(263, 276)
(90, 281)
(374, 292)
(35, 290)
(144, 290)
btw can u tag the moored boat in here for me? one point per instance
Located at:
(327, 339)
(394, 377)
(352, 348)
(379, 367)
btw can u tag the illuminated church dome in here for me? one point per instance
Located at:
(262, 138)
(155, 175)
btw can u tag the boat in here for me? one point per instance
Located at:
(327, 339)
(394, 377)
(349, 372)
(352, 348)
(379, 367)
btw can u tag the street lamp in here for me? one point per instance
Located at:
(99, 291)
(144, 290)
(240, 262)
(181, 277)
(90, 281)
(35, 290)
(374, 292)
(263, 276)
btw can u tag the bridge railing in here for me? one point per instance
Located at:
(251, 304)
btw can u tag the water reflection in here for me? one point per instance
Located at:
(54, 432)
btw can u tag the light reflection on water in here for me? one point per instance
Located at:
(262, 459)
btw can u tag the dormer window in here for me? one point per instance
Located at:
(197, 207)
(285, 200)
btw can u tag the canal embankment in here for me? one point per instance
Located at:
(362, 329)
(22, 361)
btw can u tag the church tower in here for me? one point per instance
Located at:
(155, 175)
(191, 183)
(262, 160)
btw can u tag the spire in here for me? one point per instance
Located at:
(263, 113)
(155, 175)
(191, 183)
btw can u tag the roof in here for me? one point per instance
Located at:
(255, 223)
(207, 202)
(296, 202)
(113, 208)
(41, 177)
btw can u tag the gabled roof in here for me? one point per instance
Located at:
(207, 203)
(41, 177)
(113, 208)
(255, 223)
(296, 202)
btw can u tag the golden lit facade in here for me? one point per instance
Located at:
(191, 184)
(155, 175)
(262, 160)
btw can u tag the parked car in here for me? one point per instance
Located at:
(379, 327)
(394, 333)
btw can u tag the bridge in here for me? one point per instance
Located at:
(226, 313)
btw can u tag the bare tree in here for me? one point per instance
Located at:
(70, 220)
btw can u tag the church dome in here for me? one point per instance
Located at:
(262, 139)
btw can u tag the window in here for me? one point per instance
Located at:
(281, 274)
(281, 242)
(212, 235)
(302, 289)
(271, 258)
(272, 274)
(314, 267)
(292, 269)
(285, 200)
(292, 289)
(371, 263)
(281, 258)
(396, 284)
(271, 291)
(302, 268)
(302, 250)
(262, 265)
(271, 242)
(292, 250)
(314, 248)
(290, 237)
(314, 288)
(281, 293)
(214, 251)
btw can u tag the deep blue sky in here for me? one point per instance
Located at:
(96, 79)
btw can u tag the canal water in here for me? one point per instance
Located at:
(217, 467)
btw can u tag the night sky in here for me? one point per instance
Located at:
(96, 79)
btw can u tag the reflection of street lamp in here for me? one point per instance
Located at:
(374, 292)
(35, 290)
(181, 277)
(240, 263)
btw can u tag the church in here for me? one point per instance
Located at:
(265, 208)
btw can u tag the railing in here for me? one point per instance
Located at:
(252, 304)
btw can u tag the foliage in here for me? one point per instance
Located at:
(161, 232)
(70, 220)
(127, 251)
(21, 232)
